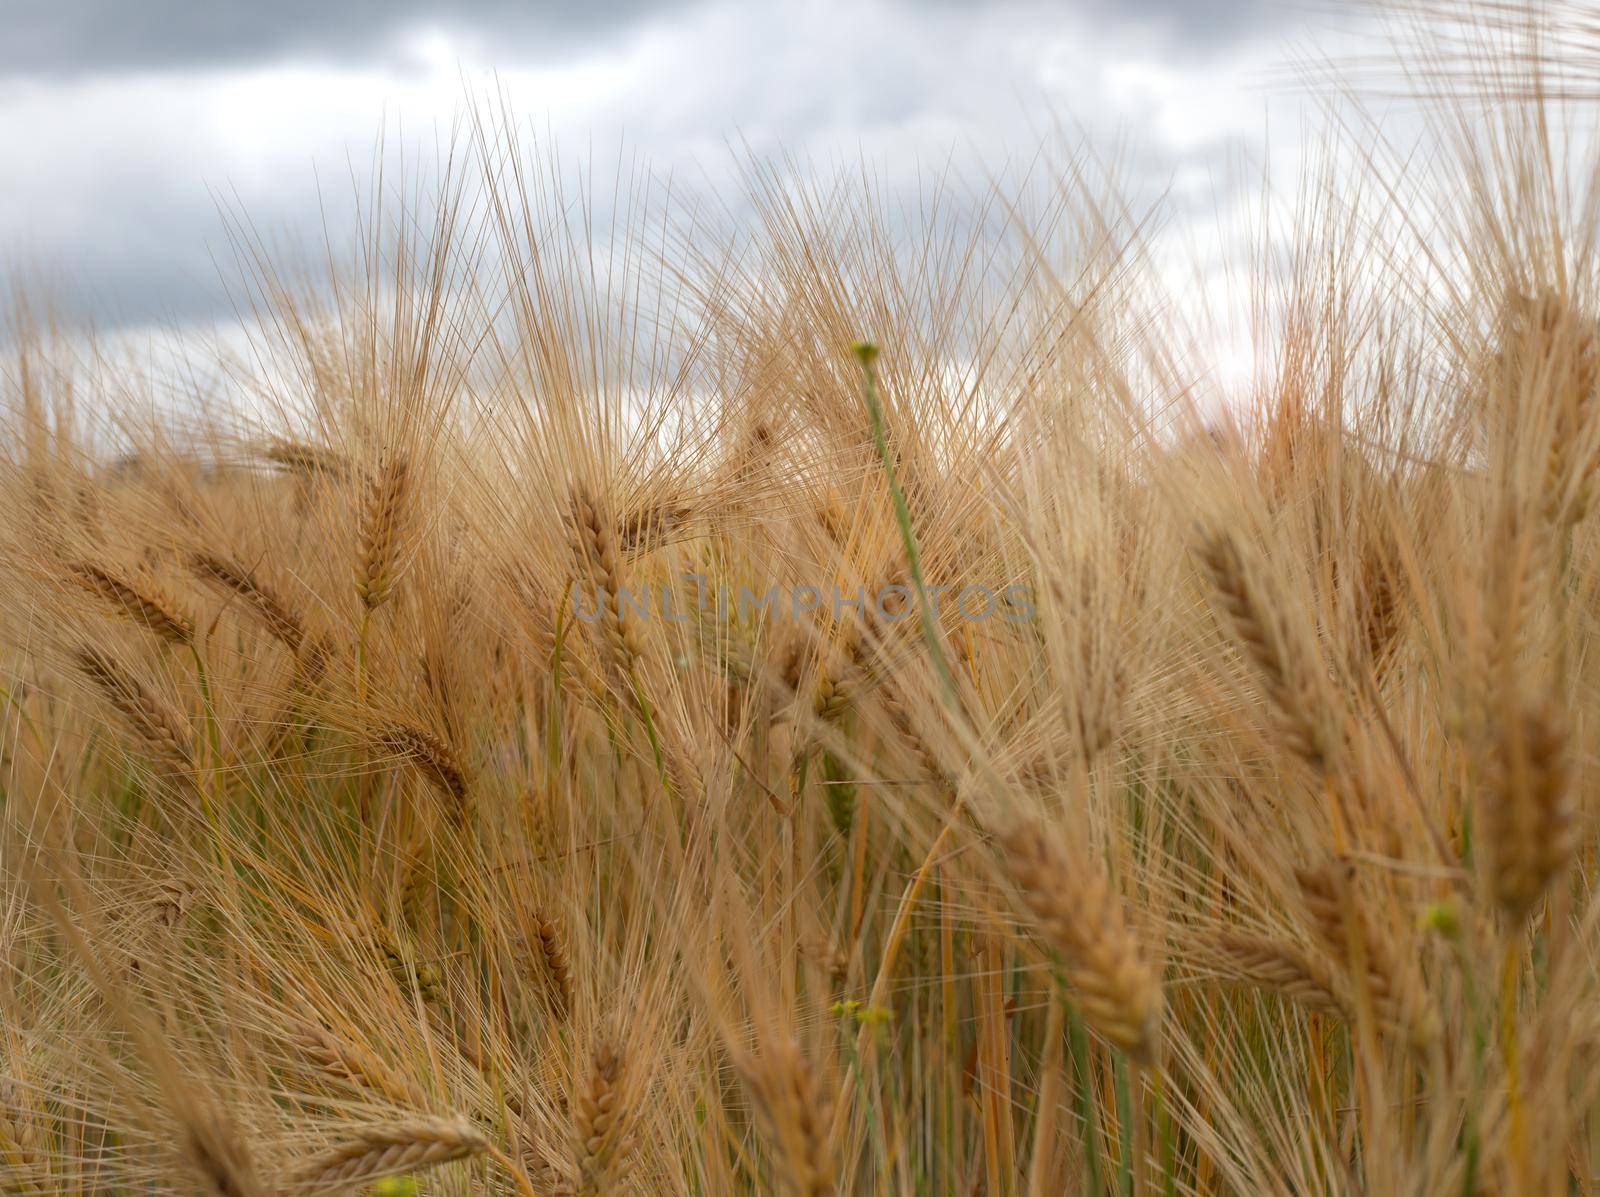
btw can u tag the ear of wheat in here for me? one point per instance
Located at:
(382, 531)
(840, 665)
(22, 1161)
(410, 973)
(140, 601)
(306, 459)
(794, 1112)
(1552, 359)
(175, 897)
(1286, 681)
(553, 950)
(649, 527)
(220, 1157)
(338, 1056)
(159, 728)
(595, 546)
(1390, 980)
(1081, 919)
(388, 1149)
(274, 613)
(432, 758)
(598, 1120)
(1530, 824)
(1282, 968)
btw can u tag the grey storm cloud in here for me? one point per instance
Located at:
(124, 123)
(53, 37)
(70, 36)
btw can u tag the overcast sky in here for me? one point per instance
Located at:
(122, 122)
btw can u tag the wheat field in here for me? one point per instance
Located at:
(849, 705)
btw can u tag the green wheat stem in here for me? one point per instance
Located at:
(1166, 1144)
(643, 705)
(1080, 1062)
(1125, 1128)
(867, 354)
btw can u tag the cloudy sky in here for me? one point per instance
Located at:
(124, 123)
